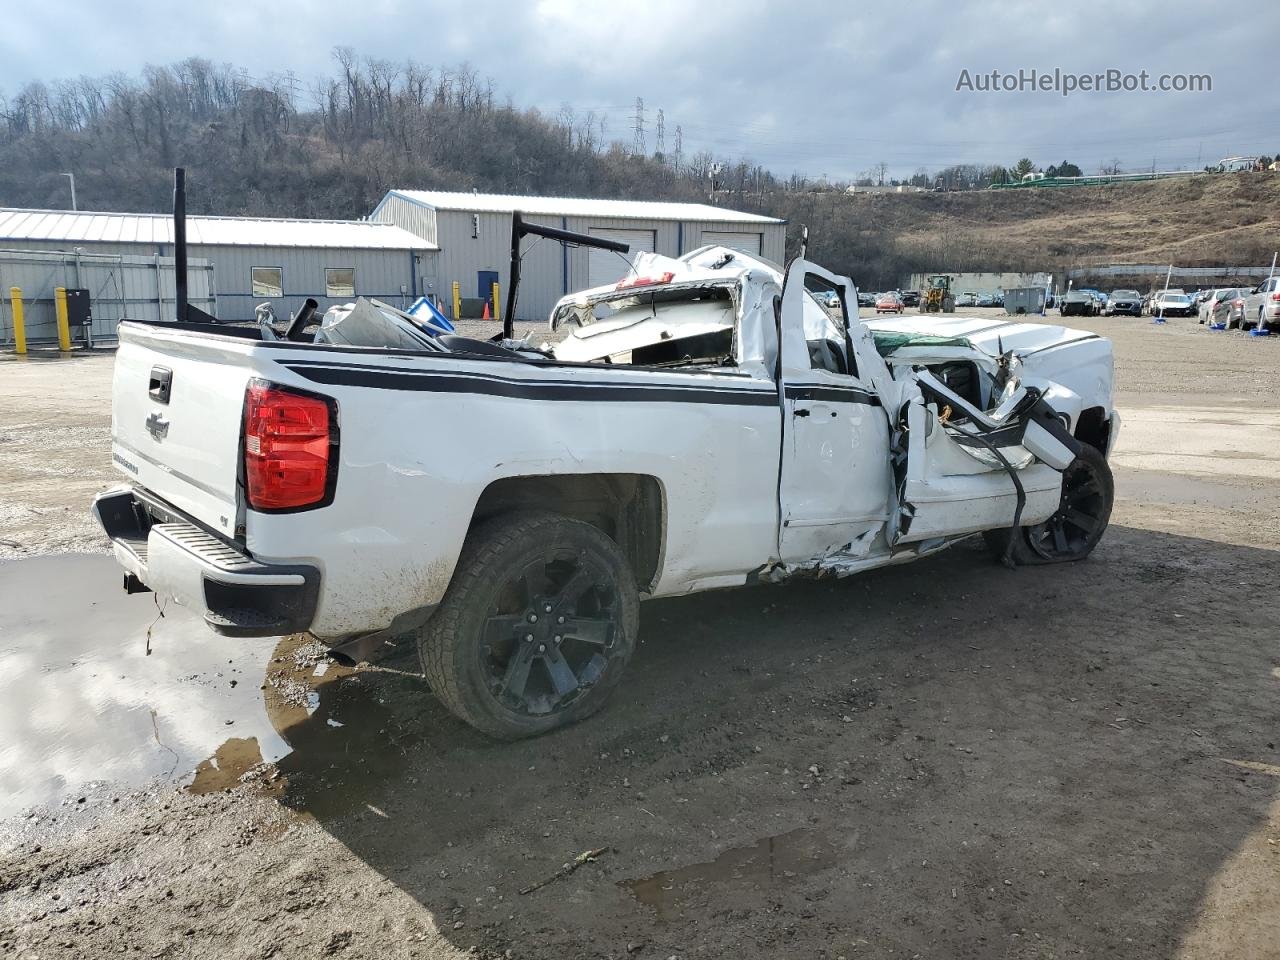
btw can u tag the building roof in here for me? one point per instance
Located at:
(579, 207)
(155, 228)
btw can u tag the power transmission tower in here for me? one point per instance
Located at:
(661, 146)
(675, 156)
(637, 143)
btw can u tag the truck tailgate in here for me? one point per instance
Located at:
(177, 404)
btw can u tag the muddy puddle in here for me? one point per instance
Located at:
(88, 715)
(768, 864)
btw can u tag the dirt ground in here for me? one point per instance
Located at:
(946, 759)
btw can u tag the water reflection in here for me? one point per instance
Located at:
(85, 711)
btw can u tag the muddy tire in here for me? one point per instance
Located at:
(537, 626)
(1088, 492)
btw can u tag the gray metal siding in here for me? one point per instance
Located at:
(773, 236)
(379, 273)
(463, 255)
(546, 265)
(120, 286)
(408, 215)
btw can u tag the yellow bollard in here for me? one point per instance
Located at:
(457, 300)
(19, 321)
(64, 326)
(495, 303)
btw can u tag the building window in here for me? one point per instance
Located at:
(267, 281)
(339, 281)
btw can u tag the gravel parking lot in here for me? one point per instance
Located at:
(942, 759)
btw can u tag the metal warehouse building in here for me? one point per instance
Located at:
(250, 260)
(472, 233)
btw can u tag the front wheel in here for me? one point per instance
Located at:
(1088, 492)
(537, 626)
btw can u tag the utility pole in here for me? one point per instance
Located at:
(72, 178)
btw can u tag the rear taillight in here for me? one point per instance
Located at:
(290, 450)
(1275, 296)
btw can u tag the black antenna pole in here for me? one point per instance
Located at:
(513, 280)
(180, 241)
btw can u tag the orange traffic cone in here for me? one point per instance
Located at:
(485, 315)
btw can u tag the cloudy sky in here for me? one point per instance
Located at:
(822, 89)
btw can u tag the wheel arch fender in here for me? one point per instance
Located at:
(630, 508)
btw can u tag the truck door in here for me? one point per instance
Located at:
(836, 480)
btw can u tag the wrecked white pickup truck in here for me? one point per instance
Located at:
(704, 423)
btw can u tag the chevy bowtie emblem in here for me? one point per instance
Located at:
(157, 426)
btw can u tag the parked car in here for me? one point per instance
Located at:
(889, 302)
(985, 300)
(911, 298)
(1170, 304)
(1124, 302)
(281, 481)
(1262, 304)
(967, 299)
(866, 299)
(828, 298)
(1077, 303)
(1206, 310)
(1099, 298)
(1231, 310)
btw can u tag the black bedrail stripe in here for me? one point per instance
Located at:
(530, 389)
(832, 394)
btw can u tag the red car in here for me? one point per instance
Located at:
(889, 303)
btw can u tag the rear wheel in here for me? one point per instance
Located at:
(536, 628)
(1088, 492)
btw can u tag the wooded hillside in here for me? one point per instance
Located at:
(331, 147)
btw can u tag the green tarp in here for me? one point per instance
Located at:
(890, 341)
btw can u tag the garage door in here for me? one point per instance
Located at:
(605, 266)
(746, 242)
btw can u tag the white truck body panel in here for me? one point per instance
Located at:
(757, 476)
(179, 449)
(391, 538)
